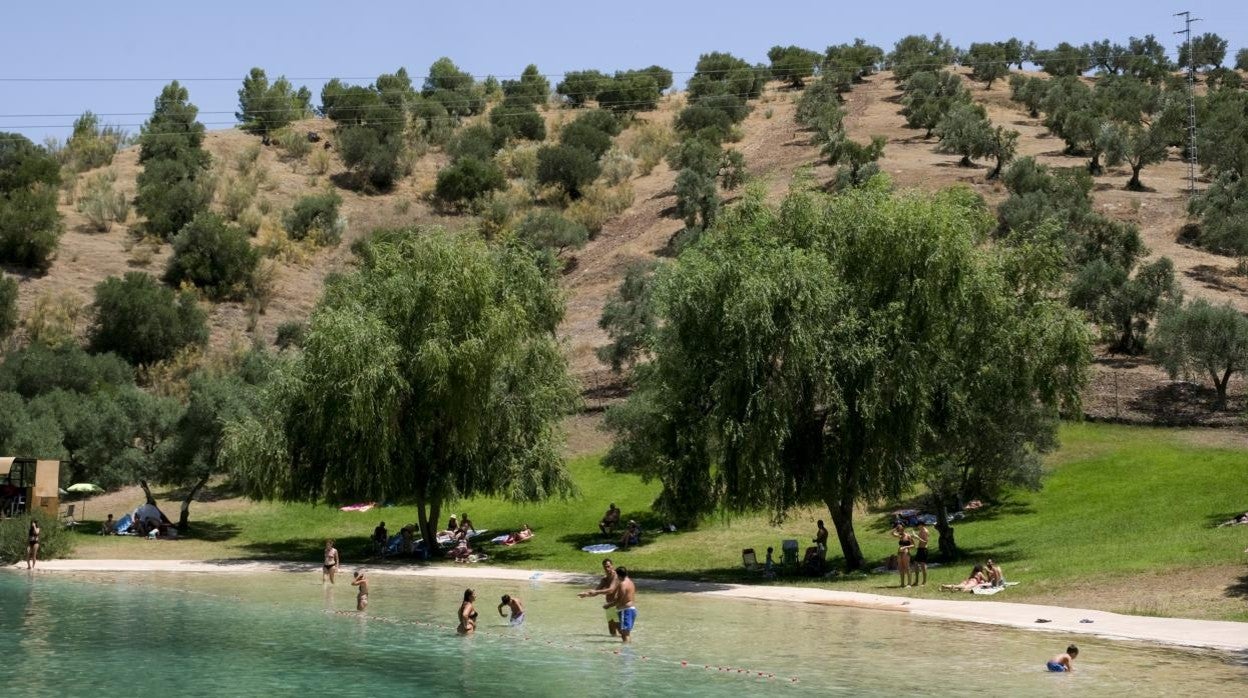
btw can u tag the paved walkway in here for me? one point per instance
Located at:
(1211, 634)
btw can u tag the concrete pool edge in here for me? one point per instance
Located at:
(1228, 636)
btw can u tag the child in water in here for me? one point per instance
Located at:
(1063, 662)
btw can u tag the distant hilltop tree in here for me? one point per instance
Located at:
(264, 108)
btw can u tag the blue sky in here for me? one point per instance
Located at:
(316, 40)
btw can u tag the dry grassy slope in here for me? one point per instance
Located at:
(774, 147)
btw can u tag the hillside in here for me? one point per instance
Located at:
(774, 147)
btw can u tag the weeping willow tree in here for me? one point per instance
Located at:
(430, 373)
(810, 353)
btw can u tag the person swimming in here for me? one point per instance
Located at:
(1063, 662)
(467, 614)
(517, 609)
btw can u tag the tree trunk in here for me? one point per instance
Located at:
(1094, 167)
(966, 161)
(147, 492)
(948, 545)
(1219, 384)
(184, 518)
(428, 513)
(842, 511)
(1134, 184)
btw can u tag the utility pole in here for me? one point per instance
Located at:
(1191, 99)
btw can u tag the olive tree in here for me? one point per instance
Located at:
(964, 130)
(432, 372)
(30, 225)
(1207, 50)
(988, 63)
(1200, 337)
(142, 321)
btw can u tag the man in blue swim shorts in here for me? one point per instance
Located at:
(1063, 662)
(625, 602)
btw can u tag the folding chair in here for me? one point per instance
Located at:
(749, 560)
(68, 519)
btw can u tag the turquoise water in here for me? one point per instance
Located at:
(283, 634)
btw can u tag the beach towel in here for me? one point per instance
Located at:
(599, 548)
(363, 506)
(123, 525)
(986, 590)
(392, 545)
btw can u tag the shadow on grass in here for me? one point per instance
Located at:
(989, 512)
(209, 531)
(651, 526)
(1238, 589)
(309, 549)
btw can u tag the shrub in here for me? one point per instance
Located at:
(213, 255)
(37, 369)
(378, 157)
(568, 167)
(545, 229)
(314, 212)
(92, 145)
(697, 197)
(648, 144)
(54, 539)
(30, 225)
(291, 334)
(580, 86)
(246, 159)
(515, 117)
(53, 318)
(1223, 211)
(475, 141)
(617, 166)
(294, 143)
(100, 204)
(467, 179)
(237, 196)
(583, 135)
(319, 162)
(518, 161)
(142, 321)
(8, 307)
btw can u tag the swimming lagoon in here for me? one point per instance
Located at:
(252, 634)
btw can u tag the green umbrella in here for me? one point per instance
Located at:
(85, 487)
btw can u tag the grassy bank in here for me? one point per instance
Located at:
(1125, 522)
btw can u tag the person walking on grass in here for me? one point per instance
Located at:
(361, 599)
(607, 586)
(330, 566)
(32, 544)
(1063, 662)
(625, 604)
(919, 564)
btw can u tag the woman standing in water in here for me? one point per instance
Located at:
(467, 614)
(32, 544)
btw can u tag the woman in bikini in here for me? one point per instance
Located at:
(361, 599)
(977, 577)
(331, 562)
(32, 544)
(467, 614)
(904, 544)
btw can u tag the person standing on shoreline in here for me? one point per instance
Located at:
(905, 543)
(625, 603)
(32, 544)
(607, 586)
(330, 566)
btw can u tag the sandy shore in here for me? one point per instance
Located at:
(1208, 634)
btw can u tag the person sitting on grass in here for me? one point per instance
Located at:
(465, 527)
(1063, 662)
(452, 526)
(632, 535)
(380, 536)
(461, 552)
(109, 528)
(976, 579)
(610, 520)
(993, 572)
(769, 567)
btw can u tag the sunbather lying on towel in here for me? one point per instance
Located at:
(1242, 519)
(977, 578)
(519, 536)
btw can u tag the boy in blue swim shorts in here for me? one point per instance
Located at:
(625, 603)
(1063, 662)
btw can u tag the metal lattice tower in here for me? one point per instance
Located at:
(1186, 31)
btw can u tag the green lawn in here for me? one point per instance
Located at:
(1124, 511)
